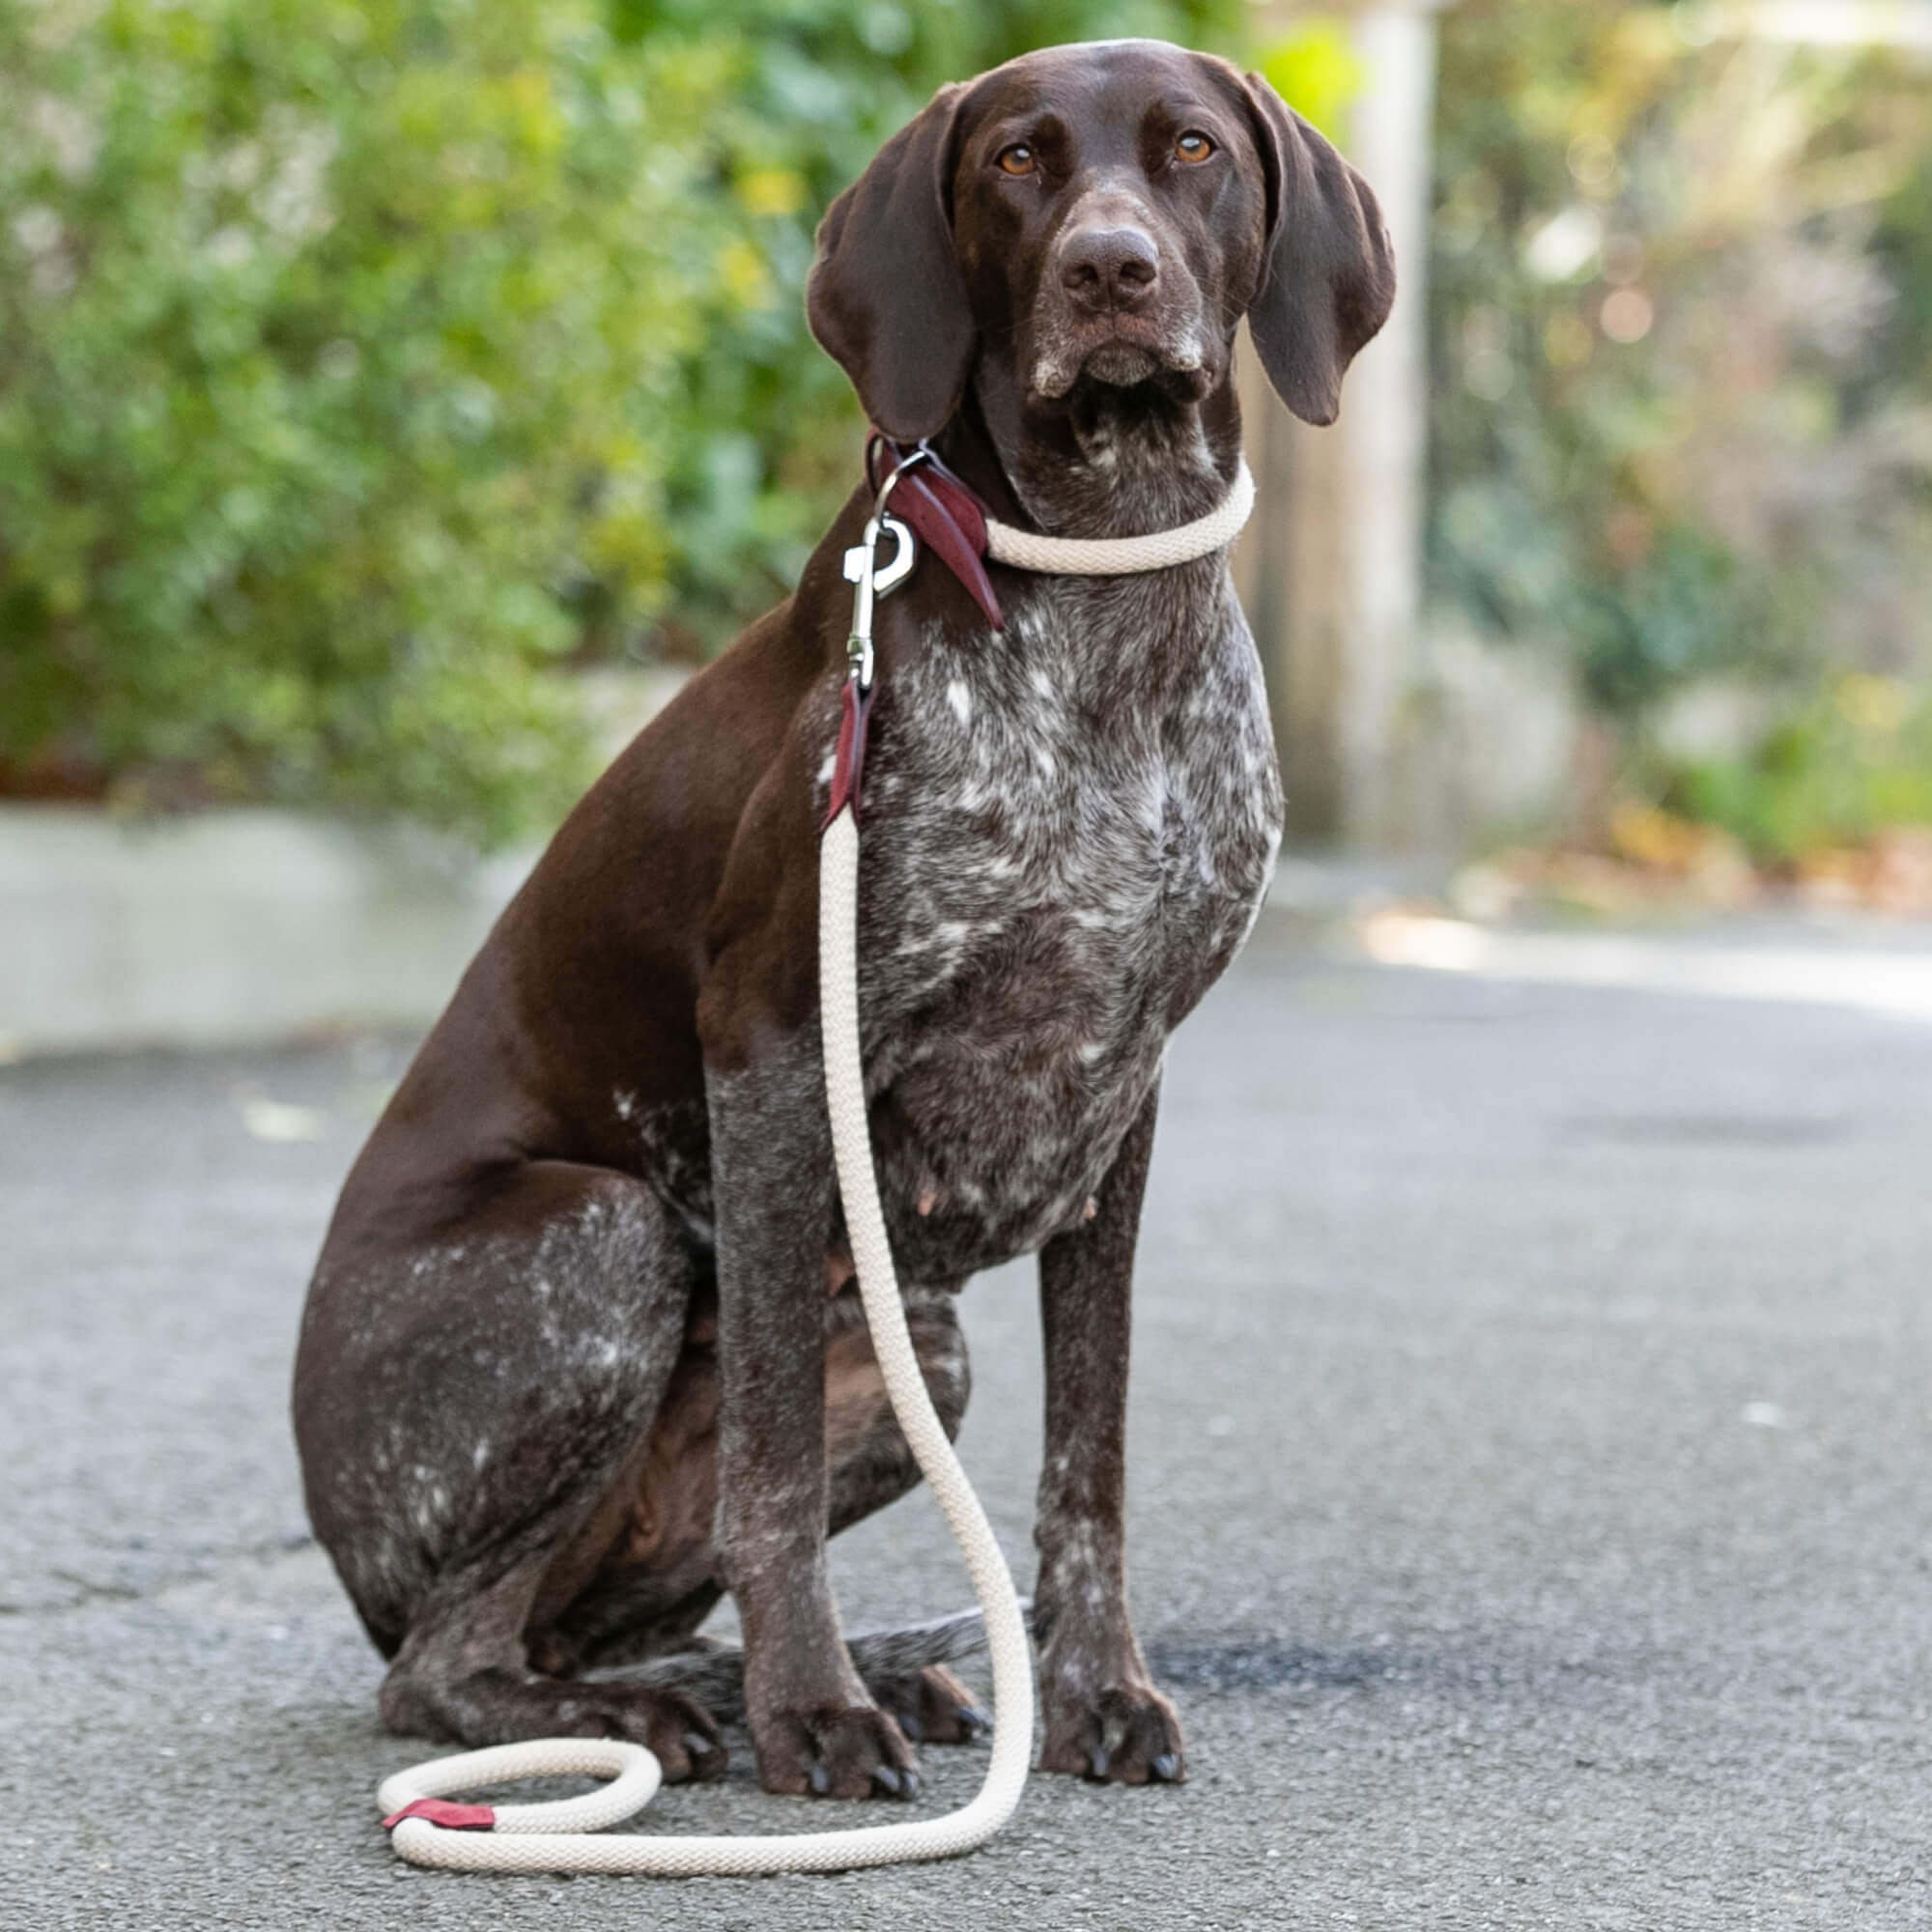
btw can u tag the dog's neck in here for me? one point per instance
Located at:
(1101, 462)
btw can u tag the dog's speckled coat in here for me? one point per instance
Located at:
(580, 1351)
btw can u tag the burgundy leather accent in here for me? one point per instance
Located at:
(944, 514)
(451, 1817)
(854, 711)
(956, 500)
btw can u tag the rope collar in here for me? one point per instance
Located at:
(946, 514)
(1126, 556)
(568, 1834)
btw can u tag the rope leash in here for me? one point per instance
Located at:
(552, 1837)
(571, 1834)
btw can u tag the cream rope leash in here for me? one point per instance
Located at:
(1126, 556)
(552, 1837)
(569, 1834)
(555, 1838)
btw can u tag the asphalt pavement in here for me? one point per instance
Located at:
(1530, 1517)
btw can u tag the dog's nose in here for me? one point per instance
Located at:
(1109, 269)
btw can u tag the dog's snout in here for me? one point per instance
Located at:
(1109, 268)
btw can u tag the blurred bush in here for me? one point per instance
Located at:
(363, 360)
(1852, 763)
(341, 346)
(1682, 335)
(366, 363)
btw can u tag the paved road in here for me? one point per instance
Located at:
(1530, 1513)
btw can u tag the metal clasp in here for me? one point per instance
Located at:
(871, 582)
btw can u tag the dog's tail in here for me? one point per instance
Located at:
(714, 1672)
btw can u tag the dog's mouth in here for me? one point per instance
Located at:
(1120, 351)
(1120, 365)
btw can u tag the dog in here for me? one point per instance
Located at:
(582, 1351)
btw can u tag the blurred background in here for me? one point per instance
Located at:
(396, 399)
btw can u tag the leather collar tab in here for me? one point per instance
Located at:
(945, 514)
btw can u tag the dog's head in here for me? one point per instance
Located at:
(1101, 214)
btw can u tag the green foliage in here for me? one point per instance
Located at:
(337, 352)
(1855, 761)
(1682, 346)
(1318, 71)
(362, 361)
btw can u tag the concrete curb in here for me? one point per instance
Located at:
(228, 927)
(247, 926)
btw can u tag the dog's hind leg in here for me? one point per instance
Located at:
(656, 1585)
(470, 1412)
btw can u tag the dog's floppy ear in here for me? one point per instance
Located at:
(1328, 280)
(886, 298)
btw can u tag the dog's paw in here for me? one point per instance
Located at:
(677, 1730)
(855, 1752)
(931, 1706)
(1126, 1733)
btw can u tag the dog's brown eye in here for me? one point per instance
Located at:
(1193, 147)
(1017, 159)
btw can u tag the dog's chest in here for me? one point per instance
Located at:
(1068, 831)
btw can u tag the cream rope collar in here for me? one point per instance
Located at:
(1126, 556)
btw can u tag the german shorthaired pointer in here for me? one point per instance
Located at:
(582, 1351)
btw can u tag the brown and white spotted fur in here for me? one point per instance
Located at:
(582, 1350)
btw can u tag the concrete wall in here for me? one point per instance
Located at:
(227, 926)
(244, 925)
(231, 927)
(1485, 745)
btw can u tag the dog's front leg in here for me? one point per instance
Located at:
(814, 1727)
(1104, 1718)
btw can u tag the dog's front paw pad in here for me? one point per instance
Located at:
(931, 1706)
(850, 1753)
(1126, 1733)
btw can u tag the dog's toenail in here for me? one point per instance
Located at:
(888, 1779)
(1166, 1767)
(929, 1201)
(910, 1725)
(818, 1779)
(1097, 1761)
(1091, 1208)
(976, 1722)
(696, 1743)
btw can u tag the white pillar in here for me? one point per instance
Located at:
(1333, 572)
